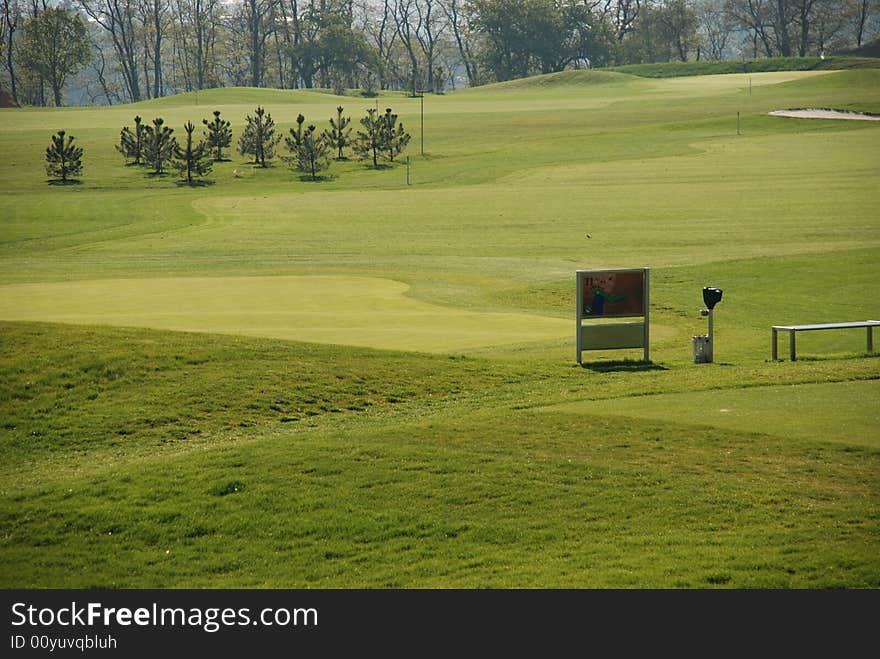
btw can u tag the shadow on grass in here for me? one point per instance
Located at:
(622, 366)
(194, 184)
(825, 358)
(308, 178)
(58, 181)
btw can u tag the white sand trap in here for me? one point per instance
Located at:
(814, 113)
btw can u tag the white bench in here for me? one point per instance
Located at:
(794, 329)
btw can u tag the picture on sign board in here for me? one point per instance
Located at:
(613, 293)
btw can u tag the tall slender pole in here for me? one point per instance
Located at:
(422, 113)
(711, 346)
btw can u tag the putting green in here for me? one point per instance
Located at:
(838, 412)
(361, 311)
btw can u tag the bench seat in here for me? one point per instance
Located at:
(794, 329)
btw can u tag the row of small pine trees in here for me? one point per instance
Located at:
(154, 145)
(311, 152)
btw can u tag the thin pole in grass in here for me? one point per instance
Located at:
(422, 120)
(737, 123)
(407, 171)
(421, 93)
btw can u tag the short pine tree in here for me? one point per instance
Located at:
(368, 143)
(310, 150)
(218, 135)
(395, 138)
(192, 159)
(131, 142)
(63, 159)
(258, 138)
(296, 135)
(339, 134)
(158, 145)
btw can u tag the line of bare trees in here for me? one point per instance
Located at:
(143, 49)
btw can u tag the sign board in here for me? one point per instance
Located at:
(612, 294)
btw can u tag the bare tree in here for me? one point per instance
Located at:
(678, 22)
(716, 26)
(259, 17)
(754, 16)
(233, 41)
(783, 13)
(155, 19)
(622, 14)
(381, 31)
(109, 89)
(286, 37)
(800, 16)
(432, 26)
(458, 15)
(783, 27)
(300, 26)
(828, 26)
(862, 12)
(408, 23)
(120, 19)
(196, 27)
(11, 20)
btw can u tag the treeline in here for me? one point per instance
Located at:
(155, 147)
(132, 50)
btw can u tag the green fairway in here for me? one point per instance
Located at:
(843, 412)
(371, 380)
(360, 311)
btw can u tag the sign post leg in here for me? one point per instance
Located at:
(711, 345)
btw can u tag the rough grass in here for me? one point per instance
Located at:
(125, 468)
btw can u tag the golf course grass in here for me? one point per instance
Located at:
(370, 381)
(364, 311)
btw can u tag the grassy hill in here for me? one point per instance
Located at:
(759, 65)
(371, 382)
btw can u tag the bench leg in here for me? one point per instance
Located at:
(870, 339)
(791, 344)
(773, 351)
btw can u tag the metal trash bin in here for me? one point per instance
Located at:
(702, 349)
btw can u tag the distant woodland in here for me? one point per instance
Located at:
(89, 52)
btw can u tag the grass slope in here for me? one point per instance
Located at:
(136, 457)
(126, 466)
(758, 65)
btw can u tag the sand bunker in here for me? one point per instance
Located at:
(814, 113)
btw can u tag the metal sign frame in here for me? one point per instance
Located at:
(593, 333)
